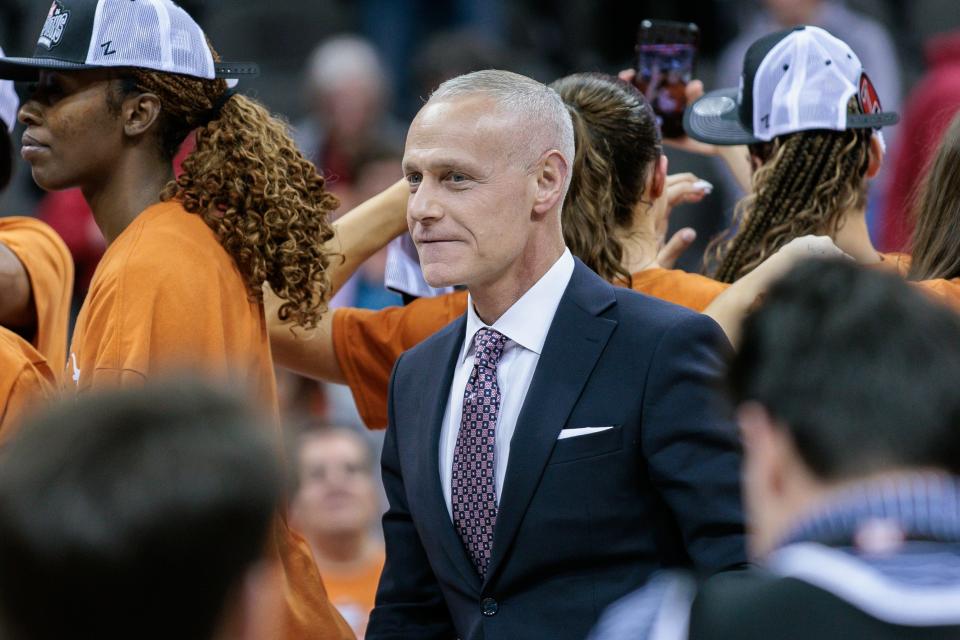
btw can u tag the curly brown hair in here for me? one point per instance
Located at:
(617, 142)
(248, 181)
(807, 183)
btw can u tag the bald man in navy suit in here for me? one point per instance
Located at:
(565, 438)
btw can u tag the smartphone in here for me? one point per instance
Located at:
(666, 55)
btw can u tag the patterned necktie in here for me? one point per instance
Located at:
(473, 483)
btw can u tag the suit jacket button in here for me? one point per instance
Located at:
(489, 607)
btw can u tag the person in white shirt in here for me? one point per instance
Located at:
(563, 439)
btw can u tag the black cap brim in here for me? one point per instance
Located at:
(28, 69)
(714, 119)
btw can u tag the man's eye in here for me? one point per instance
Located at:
(457, 177)
(414, 178)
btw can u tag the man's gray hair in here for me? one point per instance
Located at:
(546, 119)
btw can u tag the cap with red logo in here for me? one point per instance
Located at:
(795, 80)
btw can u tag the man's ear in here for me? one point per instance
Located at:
(658, 181)
(763, 445)
(875, 156)
(139, 112)
(552, 173)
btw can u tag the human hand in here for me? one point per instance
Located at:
(680, 188)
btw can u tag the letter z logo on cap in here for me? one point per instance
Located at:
(53, 28)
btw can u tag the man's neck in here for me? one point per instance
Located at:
(132, 186)
(853, 238)
(491, 300)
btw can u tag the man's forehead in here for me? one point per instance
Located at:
(463, 127)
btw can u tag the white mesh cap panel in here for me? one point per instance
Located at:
(9, 102)
(152, 34)
(805, 82)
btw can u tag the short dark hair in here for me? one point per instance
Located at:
(859, 366)
(133, 514)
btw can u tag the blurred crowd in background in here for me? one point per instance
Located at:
(350, 76)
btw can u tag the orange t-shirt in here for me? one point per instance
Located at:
(367, 343)
(167, 298)
(49, 266)
(25, 380)
(354, 594)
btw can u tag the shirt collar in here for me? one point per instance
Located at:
(528, 320)
(921, 505)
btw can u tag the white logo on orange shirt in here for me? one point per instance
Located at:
(76, 369)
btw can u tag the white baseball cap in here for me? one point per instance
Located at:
(795, 80)
(9, 102)
(145, 34)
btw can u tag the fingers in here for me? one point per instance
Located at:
(686, 187)
(694, 91)
(627, 75)
(675, 247)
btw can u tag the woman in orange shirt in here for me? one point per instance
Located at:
(935, 264)
(120, 86)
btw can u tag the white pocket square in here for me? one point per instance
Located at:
(580, 431)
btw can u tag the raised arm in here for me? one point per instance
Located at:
(360, 233)
(731, 307)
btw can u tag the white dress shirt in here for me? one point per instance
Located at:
(525, 324)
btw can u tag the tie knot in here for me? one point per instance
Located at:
(489, 347)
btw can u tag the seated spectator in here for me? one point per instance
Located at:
(141, 514)
(848, 408)
(336, 506)
(349, 96)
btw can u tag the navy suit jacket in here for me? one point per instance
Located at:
(584, 520)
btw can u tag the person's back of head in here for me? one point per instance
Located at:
(136, 514)
(808, 112)
(936, 239)
(854, 373)
(617, 147)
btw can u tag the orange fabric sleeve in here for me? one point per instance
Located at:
(50, 269)
(368, 343)
(309, 614)
(26, 381)
(689, 290)
(945, 291)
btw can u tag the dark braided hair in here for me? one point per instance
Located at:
(250, 184)
(808, 181)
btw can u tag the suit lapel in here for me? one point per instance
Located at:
(574, 343)
(425, 472)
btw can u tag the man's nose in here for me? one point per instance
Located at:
(424, 205)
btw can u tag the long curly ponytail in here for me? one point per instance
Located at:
(251, 185)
